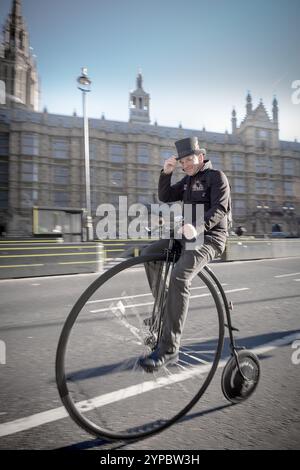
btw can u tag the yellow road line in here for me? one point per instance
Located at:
(50, 254)
(21, 265)
(16, 242)
(128, 240)
(114, 250)
(48, 248)
(79, 262)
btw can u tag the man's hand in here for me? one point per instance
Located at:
(169, 165)
(188, 231)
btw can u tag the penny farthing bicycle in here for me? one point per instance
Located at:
(116, 321)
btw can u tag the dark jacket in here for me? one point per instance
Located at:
(209, 187)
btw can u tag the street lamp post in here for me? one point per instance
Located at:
(85, 86)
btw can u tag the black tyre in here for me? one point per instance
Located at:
(235, 388)
(98, 376)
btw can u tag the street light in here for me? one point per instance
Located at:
(85, 87)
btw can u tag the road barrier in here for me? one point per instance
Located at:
(247, 249)
(29, 258)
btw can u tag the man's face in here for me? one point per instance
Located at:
(192, 163)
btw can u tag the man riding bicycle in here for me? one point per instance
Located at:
(201, 185)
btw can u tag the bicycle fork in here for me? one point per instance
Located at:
(228, 306)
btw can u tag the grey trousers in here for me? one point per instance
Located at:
(190, 263)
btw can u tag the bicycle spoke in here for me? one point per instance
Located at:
(107, 390)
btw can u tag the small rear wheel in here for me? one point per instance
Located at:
(234, 386)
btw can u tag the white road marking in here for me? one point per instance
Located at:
(135, 295)
(296, 279)
(286, 275)
(49, 416)
(145, 304)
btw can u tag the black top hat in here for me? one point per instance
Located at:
(188, 146)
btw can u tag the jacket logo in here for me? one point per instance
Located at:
(197, 186)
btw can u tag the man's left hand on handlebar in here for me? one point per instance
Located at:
(188, 231)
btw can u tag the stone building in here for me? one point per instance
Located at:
(42, 154)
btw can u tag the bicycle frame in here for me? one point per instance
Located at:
(160, 300)
(228, 306)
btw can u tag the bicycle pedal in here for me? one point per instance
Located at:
(151, 340)
(232, 327)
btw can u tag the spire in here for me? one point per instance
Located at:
(275, 110)
(139, 80)
(16, 9)
(249, 103)
(233, 120)
(21, 81)
(139, 103)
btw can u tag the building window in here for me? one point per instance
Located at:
(288, 188)
(30, 144)
(95, 200)
(61, 198)
(238, 163)
(61, 175)
(3, 172)
(216, 160)
(3, 144)
(93, 150)
(143, 179)
(261, 186)
(288, 167)
(143, 155)
(145, 198)
(271, 187)
(3, 199)
(60, 148)
(29, 197)
(239, 208)
(117, 179)
(165, 154)
(264, 165)
(262, 134)
(239, 185)
(29, 172)
(116, 153)
(114, 199)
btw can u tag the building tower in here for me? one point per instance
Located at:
(248, 104)
(139, 103)
(17, 65)
(275, 110)
(233, 121)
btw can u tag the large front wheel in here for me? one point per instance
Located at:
(98, 375)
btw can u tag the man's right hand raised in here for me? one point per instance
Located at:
(170, 165)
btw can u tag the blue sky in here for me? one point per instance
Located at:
(198, 57)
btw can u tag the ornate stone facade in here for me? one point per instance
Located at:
(42, 155)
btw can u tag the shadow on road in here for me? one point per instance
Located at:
(108, 445)
(249, 342)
